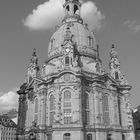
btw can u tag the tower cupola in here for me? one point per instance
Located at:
(114, 66)
(33, 69)
(72, 11)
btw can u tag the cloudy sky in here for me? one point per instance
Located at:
(27, 24)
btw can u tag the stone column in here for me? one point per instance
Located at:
(21, 111)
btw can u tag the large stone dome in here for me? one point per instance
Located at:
(74, 30)
(81, 36)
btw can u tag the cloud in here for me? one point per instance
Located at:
(91, 15)
(50, 14)
(133, 25)
(8, 101)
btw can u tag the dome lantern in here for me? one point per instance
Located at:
(72, 10)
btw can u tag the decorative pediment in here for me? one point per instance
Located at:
(106, 77)
(114, 83)
(58, 74)
(34, 81)
(67, 43)
(66, 77)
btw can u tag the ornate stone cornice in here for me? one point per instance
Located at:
(56, 55)
(22, 89)
(73, 18)
(92, 77)
(125, 87)
(82, 53)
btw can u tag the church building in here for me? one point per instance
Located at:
(72, 97)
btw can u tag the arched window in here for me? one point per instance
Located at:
(123, 137)
(36, 118)
(52, 102)
(109, 136)
(67, 95)
(116, 75)
(52, 43)
(75, 9)
(66, 136)
(67, 60)
(87, 114)
(52, 109)
(30, 78)
(106, 110)
(36, 110)
(86, 101)
(49, 136)
(67, 107)
(89, 41)
(67, 9)
(97, 67)
(89, 136)
(36, 105)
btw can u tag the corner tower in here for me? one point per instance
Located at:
(33, 69)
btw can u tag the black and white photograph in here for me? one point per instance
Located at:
(70, 70)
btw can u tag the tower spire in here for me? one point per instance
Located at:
(33, 69)
(34, 59)
(114, 66)
(113, 52)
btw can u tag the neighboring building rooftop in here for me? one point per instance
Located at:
(14, 120)
(6, 121)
